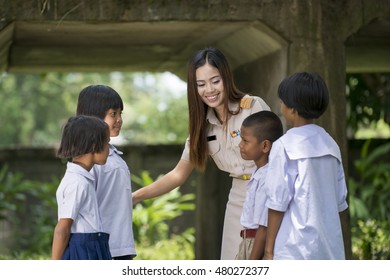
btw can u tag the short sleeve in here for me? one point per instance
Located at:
(279, 179)
(186, 152)
(260, 211)
(342, 189)
(74, 197)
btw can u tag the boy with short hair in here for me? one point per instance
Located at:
(258, 132)
(305, 183)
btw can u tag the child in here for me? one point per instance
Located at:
(305, 184)
(113, 185)
(258, 132)
(77, 235)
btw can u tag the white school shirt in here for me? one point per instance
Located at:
(114, 194)
(254, 212)
(76, 199)
(305, 179)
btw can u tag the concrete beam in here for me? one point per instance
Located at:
(138, 46)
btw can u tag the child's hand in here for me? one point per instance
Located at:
(268, 256)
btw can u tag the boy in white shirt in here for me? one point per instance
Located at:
(306, 188)
(258, 132)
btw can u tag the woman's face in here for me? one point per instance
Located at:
(210, 86)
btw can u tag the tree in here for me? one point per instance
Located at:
(368, 98)
(35, 106)
(32, 108)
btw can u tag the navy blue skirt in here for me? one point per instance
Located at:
(88, 246)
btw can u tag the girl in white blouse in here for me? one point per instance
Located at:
(78, 234)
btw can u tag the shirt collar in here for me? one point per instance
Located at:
(315, 139)
(259, 173)
(75, 168)
(113, 149)
(212, 118)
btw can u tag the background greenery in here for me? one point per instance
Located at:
(34, 106)
(31, 207)
(368, 100)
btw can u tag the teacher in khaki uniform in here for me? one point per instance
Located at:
(216, 111)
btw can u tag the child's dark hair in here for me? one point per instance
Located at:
(265, 125)
(82, 135)
(96, 100)
(305, 92)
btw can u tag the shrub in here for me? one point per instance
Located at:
(31, 209)
(370, 193)
(369, 197)
(370, 240)
(151, 220)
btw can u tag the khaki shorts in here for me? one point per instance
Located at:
(245, 248)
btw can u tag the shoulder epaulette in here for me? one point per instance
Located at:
(246, 102)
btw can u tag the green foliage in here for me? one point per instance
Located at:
(370, 193)
(13, 192)
(32, 209)
(370, 240)
(25, 255)
(369, 206)
(177, 247)
(35, 106)
(152, 114)
(30, 206)
(42, 218)
(151, 225)
(368, 100)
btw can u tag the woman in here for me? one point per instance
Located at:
(216, 111)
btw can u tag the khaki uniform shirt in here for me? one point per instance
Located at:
(223, 143)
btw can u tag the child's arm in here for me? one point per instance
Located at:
(61, 238)
(344, 216)
(259, 244)
(274, 221)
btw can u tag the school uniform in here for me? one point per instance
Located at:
(305, 180)
(223, 147)
(114, 196)
(254, 212)
(76, 199)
